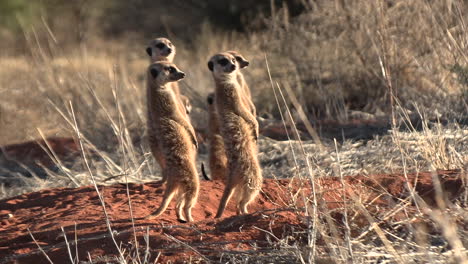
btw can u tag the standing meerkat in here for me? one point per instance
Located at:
(178, 142)
(162, 49)
(217, 156)
(239, 129)
(217, 153)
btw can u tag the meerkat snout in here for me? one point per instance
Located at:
(242, 62)
(178, 76)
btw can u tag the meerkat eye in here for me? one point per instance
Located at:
(160, 45)
(172, 69)
(223, 62)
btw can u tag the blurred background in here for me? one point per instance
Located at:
(334, 60)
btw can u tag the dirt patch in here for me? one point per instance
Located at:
(33, 151)
(35, 157)
(80, 214)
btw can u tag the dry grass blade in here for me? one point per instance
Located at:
(40, 248)
(187, 246)
(72, 260)
(312, 230)
(54, 157)
(344, 196)
(101, 198)
(449, 229)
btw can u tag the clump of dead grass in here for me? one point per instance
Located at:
(331, 56)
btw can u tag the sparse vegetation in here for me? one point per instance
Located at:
(335, 58)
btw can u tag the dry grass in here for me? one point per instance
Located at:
(332, 55)
(331, 58)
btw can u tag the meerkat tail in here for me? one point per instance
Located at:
(205, 176)
(227, 194)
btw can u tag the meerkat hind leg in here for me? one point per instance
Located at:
(169, 193)
(190, 200)
(180, 205)
(188, 213)
(243, 203)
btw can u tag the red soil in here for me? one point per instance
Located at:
(79, 212)
(33, 151)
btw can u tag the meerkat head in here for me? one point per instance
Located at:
(223, 66)
(210, 98)
(163, 72)
(241, 61)
(161, 49)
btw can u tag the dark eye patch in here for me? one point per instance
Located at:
(172, 69)
(160, 45)
(223, 62)
(154, 72)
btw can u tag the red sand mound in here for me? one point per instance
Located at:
(80, 213)
(33, 151)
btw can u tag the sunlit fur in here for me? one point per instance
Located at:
(176, 139)
(156, 54)
(239, 129)
(164, 55)
(217, 153)
(247, 96)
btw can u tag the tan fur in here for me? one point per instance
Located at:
(164, 54)
(217, 154)
(239, 129)
(241, 62)
(176, 139)
(167, 53)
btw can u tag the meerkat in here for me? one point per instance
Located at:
(243, 63)
(162, 49)
(217, 154)
(239, 129)
(178, 142)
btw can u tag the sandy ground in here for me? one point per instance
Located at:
(79, 212)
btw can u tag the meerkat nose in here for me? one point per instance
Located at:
(169, 50)
(182, 74)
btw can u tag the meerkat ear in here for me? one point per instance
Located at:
(210, 65)
(242, 62)
(149, 51)
(154, 73)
